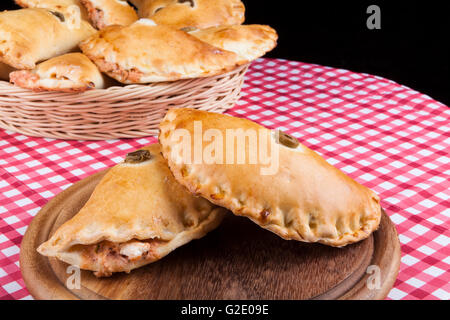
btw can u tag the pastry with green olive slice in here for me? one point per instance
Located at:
(63, 6)
(136, 215)
(267, 176)
(29, 36)
(192, 13)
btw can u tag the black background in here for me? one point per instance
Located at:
(411, 48)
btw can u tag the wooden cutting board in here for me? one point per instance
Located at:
(238, 260)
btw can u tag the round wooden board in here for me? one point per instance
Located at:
(238, 260)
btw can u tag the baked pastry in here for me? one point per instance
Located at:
(248, 41)
(144, 52)
(103, 13)
(136, 215)
(292, 192)
(5, 70)
(192, 13)
(32, 35)
(70, 72)
(63, 6)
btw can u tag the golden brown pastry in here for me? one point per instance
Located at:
(248, 41)
(70, 72)
(103, 13)
(63, 6)
(32, 35)
(136, 215)
(144, 52)
(292, 191)
(192, 13)
(5, 70)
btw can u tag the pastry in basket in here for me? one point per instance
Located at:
(5, 70)
(70, 72)
(192, 13)
(28, 36)
(144, 52)
(136, 215)
(63, 6)
(248, 41)
(272, 178)
(103, 13)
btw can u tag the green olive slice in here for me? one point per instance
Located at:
(287, 140)
(191, 2)
(188, 29)
(59, 15)
(138, 156)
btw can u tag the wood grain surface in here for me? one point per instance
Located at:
(239, 260)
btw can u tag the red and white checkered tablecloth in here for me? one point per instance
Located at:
(386, 136)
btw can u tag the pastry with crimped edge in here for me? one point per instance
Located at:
(144, 52)
(33, 35)
(70, 72)
(248, 41)
(192, 13)
(303, 198)
(136, 215)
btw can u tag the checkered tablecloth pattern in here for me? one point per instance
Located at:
(386, 136)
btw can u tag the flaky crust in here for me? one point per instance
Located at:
(142, 53)
(192, 13)
(70, 72)
(33, 35)
(140, 202)
(103, 13)
(307, 199)
(248, 41)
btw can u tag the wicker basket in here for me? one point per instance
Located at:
(117, 112)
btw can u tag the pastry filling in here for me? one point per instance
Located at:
(109, 257)
(132, 75)
(96, 15)
(32, 80)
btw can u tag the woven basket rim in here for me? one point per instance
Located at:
(129, 111)
(127, 88)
